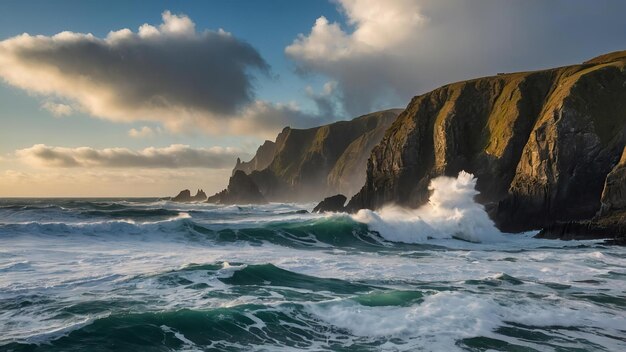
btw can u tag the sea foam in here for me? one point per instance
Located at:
(451, 212)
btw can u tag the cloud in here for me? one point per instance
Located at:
(389, 51)
(172, 73)
(84, 182)
(172, 157)
(57, 109)
(144, 132)
(328, 101)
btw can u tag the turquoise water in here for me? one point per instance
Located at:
(149, 275)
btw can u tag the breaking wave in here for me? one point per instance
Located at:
(451, 212)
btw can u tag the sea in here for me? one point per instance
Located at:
(154, 275)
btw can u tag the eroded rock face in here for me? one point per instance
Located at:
(333, 204)
(540, 143)
(614, 192)
(241, 190)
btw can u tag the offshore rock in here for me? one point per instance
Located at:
(335, 204)
(185, 196)
(241, 190)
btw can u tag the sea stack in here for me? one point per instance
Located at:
(185, 196)
(241, 190)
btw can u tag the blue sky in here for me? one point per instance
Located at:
(187, 95)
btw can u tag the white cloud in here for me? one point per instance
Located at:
(361, 62)
(84, 182)
(174, 156)
(57, 109)
(389, 51)
(144, 132)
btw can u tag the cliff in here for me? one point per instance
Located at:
(609, 222)
(614, 192)
(263, 157)
(309, 164)
(540, 143)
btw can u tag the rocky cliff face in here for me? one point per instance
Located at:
(614, 192)
(309, 164)
(541, 143)
(263, 157)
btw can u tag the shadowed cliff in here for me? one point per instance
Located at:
(541, 143)
(309, 164)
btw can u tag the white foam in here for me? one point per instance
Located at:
(446, 317)
(451, 212)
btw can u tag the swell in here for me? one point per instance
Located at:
(322, 233)
(132, 213)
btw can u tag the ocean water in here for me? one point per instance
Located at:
(150, 275)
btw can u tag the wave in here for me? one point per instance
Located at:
(371, 321)
(451, 212)
(132, 213)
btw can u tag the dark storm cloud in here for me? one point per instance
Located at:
(172, 73)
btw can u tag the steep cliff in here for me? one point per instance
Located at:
(309, 164)
(614, 192)
(263, 157)
(609, 222)
(541, 143)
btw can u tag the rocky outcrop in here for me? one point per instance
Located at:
(241, 190)
(185, 196)
(614, 192)
(609, 222)
(333, 204)
(263, 157)
(312, 163)
(540, 143)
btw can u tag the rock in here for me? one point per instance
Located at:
(301, 211)
(614, 192)
(609, 222)
(333, 204)
(611, 227)
(540, 143)
(241, 190)
(199, 197)
(185, 196)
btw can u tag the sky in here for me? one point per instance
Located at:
(135, 98)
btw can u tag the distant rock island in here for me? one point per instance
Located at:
(546, 146)
(185, 196)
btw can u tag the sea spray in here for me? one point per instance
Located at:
(451, 212)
